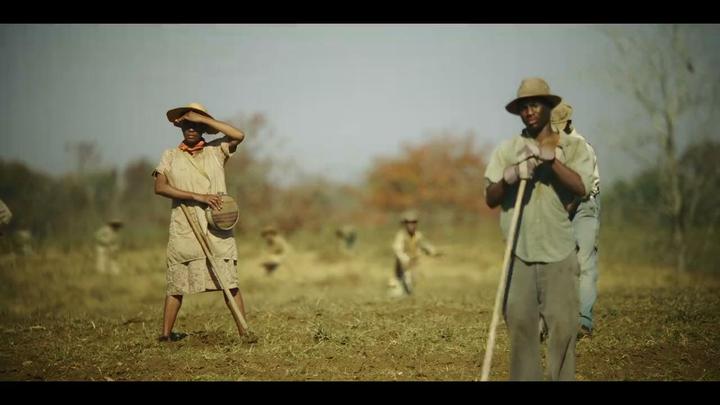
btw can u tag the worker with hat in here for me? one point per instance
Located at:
(107, 246)
(407, 245)
(543, 273)
(192, 175)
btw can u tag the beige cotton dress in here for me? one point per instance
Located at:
(188, 269)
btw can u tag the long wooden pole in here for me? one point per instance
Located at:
(503, 282)
(205, 245)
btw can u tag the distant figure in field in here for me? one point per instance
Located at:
(277, 249)
(5, 215)
(25, 241)
(107, 245)
(6, 259)
(407, 246)
(346, 235)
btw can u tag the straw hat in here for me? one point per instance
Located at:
(410, 216)
(115, 221)
(176, 113)
(532, 87)
(269, 230)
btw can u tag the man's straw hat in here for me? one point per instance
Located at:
(532, 87)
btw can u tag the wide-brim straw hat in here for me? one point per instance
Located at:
(410, 216)
(532, 87)
(115, 221)
(269, 230)
(178, 112)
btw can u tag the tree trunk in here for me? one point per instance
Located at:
(676, 196)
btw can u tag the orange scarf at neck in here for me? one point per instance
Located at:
(194, 149)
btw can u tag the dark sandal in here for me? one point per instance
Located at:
(173, 337)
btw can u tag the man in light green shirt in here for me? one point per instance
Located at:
(544, 269)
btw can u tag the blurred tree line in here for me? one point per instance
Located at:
(66, 210)
(442, 176)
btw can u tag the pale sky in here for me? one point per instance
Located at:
(336, 95)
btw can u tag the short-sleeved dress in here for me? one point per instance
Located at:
(187, 266)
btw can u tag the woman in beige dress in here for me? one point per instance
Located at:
(194, 173)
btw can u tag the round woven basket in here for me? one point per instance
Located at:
(225, 218)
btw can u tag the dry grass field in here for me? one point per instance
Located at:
(328, 317)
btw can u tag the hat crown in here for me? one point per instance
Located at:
(175, 114)
(561, 113)
(197, 106)
(410, 215)
(533, 86)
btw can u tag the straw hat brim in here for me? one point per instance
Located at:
(176, 113)
(513, 107)
(268, 229)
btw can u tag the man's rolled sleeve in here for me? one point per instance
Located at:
(495, 168)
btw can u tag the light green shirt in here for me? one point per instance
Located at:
(545, 232)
